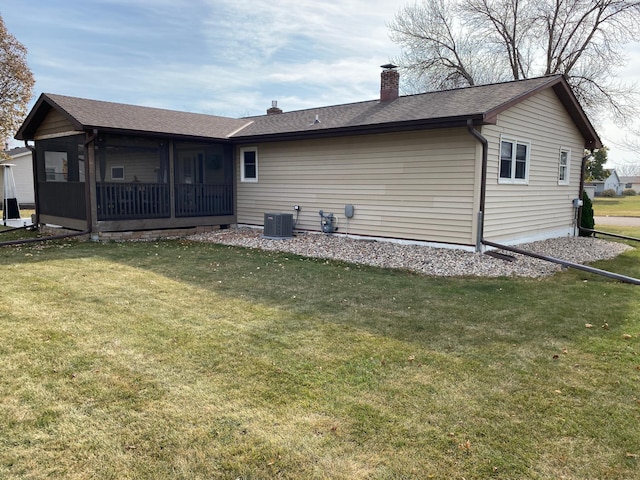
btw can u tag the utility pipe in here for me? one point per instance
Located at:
(625, 237)
(8, 230)
(43, 239)
(577, 266)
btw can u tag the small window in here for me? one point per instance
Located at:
(514, 161)
(249, 164)
(56, 166)
(117, 173)
(563, 166)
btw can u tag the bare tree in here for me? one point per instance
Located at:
(466, 42)
(439, 52)
(505, 26)
(628, 169)
(16, 83)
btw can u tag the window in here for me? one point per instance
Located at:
(61, 159)
(249, 164)
(514, 161)
(56, 166)
(563, 166)
(117, 173)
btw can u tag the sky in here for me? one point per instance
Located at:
(220, 57)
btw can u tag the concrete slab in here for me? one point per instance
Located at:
(618, 221)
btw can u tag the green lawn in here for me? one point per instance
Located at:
(618, 206)
(193, 361)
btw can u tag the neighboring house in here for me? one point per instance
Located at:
(22, 174)
(632, 183)
(501, 162)
(590, 190)
(612, 182)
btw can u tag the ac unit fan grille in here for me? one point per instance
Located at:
(278, 225)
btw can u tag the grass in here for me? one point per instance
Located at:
(185, 360)
(628, 206)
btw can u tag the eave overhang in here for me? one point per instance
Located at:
(38, 113)
(413, 125)
(566, 96)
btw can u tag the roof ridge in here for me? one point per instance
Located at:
(551, 77)
(492, 84)
(53, 96)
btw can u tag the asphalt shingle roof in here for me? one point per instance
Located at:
(434, 109)
(433, 106)
(118, 116)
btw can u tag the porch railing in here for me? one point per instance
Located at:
(202, 200)
(123, 201)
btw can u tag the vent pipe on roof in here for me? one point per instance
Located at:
(274, 110)
(389, 83)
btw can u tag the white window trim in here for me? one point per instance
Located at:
(567, 180)
(117, 178)
(513, 180)
(243, 178)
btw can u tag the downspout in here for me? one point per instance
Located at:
(36, 195)
(483, 183)
(482, 241)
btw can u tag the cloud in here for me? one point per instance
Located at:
(213, 56)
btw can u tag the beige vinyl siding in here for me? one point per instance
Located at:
(54, 124)
(542, 208)
(411, 185)
(137, 166)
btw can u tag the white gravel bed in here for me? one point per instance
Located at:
(422, 259)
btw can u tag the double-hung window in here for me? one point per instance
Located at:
(249, 164)
(514, 161)
(563, 166)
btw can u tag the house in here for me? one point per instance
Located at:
(631, 182)
(612, 182)
(500, 161)
(21, 161)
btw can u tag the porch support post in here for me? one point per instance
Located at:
(172, 188)
(90, 181)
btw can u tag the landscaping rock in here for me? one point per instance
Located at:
(424, 259)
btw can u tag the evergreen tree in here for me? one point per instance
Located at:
(586, 220)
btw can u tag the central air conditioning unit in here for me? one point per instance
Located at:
(278, 225)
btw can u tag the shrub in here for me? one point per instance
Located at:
(609, 192)
(586, 220)
(629, 192)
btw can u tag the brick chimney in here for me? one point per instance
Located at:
(274, 110)
(389, 83)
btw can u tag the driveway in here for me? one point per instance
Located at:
(619, 221)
